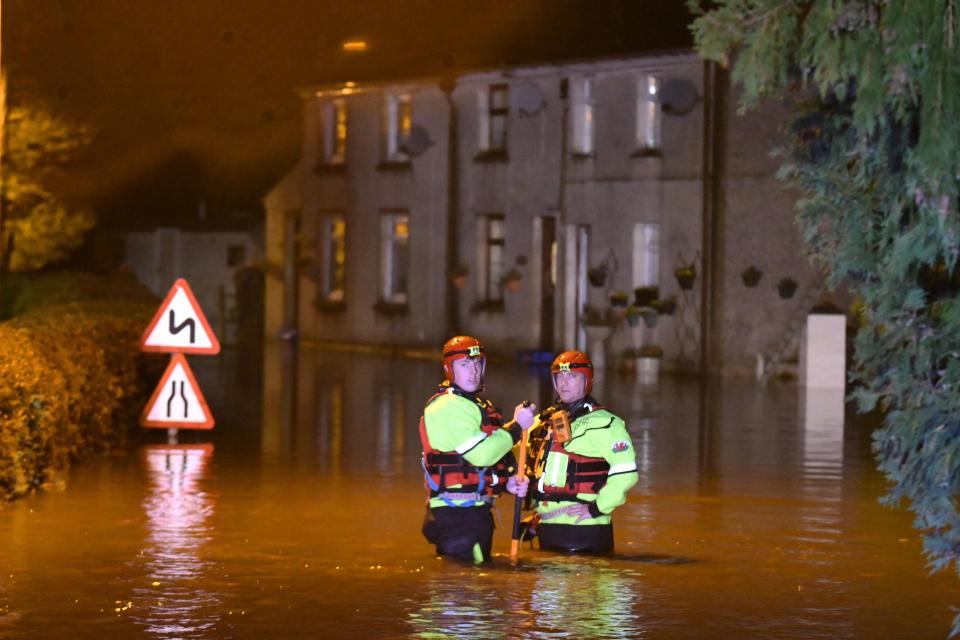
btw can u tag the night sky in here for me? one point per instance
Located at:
(196, 100)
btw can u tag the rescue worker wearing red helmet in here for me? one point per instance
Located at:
(584, 472)
(467, 457)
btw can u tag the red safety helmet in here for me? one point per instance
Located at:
(461, 347)
(576, 362)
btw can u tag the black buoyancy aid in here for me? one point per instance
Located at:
(585, 474)
(449, 468)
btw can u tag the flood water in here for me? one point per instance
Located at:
(298, 516)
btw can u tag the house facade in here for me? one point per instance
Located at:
(524, 204)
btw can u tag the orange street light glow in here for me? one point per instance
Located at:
(354, 46)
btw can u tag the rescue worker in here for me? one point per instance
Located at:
(584, 472)
(467, 457)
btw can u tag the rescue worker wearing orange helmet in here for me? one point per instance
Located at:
(583, 472)
(467, 457)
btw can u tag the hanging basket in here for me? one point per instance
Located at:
(686, 276)
(597, 276)
(786, 288)
(644, 296)
(751, 276)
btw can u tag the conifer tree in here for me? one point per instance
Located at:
(875, 151)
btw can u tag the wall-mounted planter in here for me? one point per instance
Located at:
(511, 281)
(751, 276)
(686, 276)
(597, 276)
(644, 296)
(786, 288)
(618, 299)
(665, 307)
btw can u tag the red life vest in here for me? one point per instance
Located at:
(449, 468)
(585, 474)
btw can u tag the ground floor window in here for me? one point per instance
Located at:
(394, 256)
(333, 256)
(646, 254)
(492, 256)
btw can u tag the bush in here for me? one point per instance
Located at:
(73, 376)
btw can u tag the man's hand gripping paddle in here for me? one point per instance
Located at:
(518, 502)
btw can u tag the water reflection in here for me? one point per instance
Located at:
(280, 386)
(468, 604)
(177, 602)
(577, 598)
(329, 423)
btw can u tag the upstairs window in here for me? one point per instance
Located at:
(494, 110)
(333, 256)
(581, 115)
(333, 131)
(397, 122)
(394, 256)
(648, 113)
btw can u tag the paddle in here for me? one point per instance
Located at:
(518, 503)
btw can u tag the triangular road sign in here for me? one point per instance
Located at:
(177, 400)
(179, 325)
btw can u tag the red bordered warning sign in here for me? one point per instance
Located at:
(177, 400)
(179, 325)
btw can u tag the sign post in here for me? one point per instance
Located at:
(178, 327)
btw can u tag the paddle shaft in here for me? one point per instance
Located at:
(518, 503)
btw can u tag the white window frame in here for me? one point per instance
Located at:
(582, 90)
(333, 242)
(394, 256)
(397, 122)
(646, 254)
(649, 114)
(333, 131)
(493, 256)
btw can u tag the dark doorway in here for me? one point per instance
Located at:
(548, 280)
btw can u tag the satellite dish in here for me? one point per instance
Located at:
(677, 96)
(417, 141)
(526, 98)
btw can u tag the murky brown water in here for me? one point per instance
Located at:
(755, 517)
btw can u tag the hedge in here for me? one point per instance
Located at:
(72, 379)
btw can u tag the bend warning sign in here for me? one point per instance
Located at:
(177, 400)
(179, 325)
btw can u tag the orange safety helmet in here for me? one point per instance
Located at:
(576, 362)
(461, 347)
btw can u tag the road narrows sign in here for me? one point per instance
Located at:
(179, 325)
(177, 400)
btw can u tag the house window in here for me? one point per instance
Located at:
(646, 255)
(493, 256)
(333, 256)
(333, 131)
(394, 256)
(581, 115)
(397, 121)
(494, 109)
(648, 112)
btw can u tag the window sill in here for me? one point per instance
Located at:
(391, 309)
(325, 169)
(491, 155)
(329, 306)
(394, 165)
(582, 155)
(647, 152)
(488, 306)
